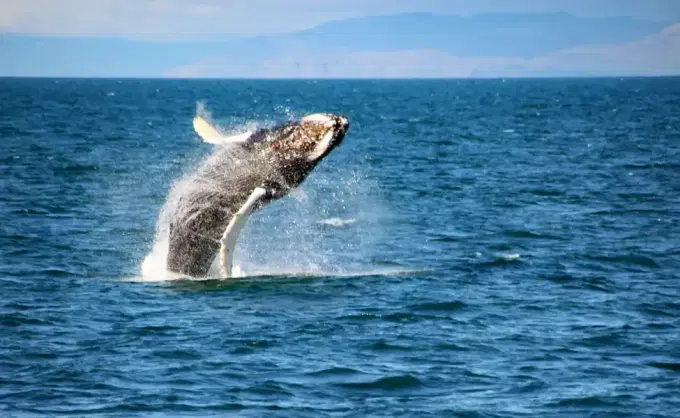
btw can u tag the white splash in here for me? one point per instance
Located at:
(154, 265)
(508, 257)
(336, 222)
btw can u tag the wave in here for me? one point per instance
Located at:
(155, 274)
(387, 383)
(334, 371)
(674, 367)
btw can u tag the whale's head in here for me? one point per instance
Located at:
(297, 147)
(310, 139)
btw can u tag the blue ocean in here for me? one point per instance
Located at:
(474, 248)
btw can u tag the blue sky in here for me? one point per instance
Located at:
(218, 19)
(246, 38)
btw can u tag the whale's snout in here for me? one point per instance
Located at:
(344, 122)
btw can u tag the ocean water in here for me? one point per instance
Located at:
(475, 248)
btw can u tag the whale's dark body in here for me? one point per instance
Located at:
(277, 159)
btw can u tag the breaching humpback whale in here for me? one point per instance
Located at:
(244, 174)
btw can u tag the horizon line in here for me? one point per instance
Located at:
(528, 77)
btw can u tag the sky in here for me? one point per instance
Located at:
(175, 20)
(240, 38)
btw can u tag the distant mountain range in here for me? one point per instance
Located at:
(404, 45)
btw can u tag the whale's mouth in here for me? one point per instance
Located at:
(314, 136)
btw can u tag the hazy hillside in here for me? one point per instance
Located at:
(520, 35)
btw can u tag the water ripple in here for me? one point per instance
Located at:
(496, 248)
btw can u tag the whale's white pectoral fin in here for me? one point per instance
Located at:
(210, 135)
(206, 131)
(231, 234)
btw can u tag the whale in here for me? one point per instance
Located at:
(244, 173)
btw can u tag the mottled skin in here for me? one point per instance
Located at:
(277, 159)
